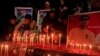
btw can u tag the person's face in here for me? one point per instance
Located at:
(52, 15)
(47, 4)
(27, 21)
(13, 21)
(83, 23)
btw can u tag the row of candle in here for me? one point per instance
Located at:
(38, 38)
(80, 47)
(4, 50)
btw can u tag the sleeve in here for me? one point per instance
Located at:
(32, 24)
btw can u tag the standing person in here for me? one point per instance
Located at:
(47, 5)
(11, 26)
(51, 21)
(81, 35)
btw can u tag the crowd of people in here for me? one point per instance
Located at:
(56, 19)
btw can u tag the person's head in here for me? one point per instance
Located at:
(47, 5)
(52, 13)
(12, 20)
(84, 21)
(27, 19)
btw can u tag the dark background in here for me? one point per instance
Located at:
(7, 8)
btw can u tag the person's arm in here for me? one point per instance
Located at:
(19, 25)
(32, 24)
(15, 33)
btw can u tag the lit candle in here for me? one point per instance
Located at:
(47, 28)
(84, 46)
(48, 54)
(6, 50)
(2, 46)
(15, 36)
(60, 39)
(31, 38)
(48, 38)
(90, 47)
(80, 47)
(37, 37)
(77, 46)
(40, 37)
(43, 40)
(18, 38)
(52, 35)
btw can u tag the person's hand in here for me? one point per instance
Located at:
(45, 29)
(22, 21)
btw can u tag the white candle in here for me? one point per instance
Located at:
(52, 35)
(60, 39)
(48, 38)
(31, 38)
(2, 46)
(77, 46)
(84, 46)
(37, 37)
(90, 47)
(43, 40)
(47, 29)
(6, 50)
(18, 38)
(15, 36)
(40, 37)
(31, 41)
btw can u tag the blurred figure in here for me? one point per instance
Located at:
(81, 35)
(26, 24)
(47, 5)
(12, 24)
(50, 20)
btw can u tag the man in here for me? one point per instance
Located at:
(24, 26)
(50, 20)
(81, 35)
(11, 27)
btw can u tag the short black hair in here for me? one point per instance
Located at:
(52, 11)
(12, 17)
(84, 17)
(28, 16)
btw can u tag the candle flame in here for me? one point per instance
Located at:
(6, 46)
(90, 46)
(60, 35)
(47, 27)
(52, 34)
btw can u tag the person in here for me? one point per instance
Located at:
(25, 25)
(51, 21)
(47, 5)
(81, 34)
(12, 24)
